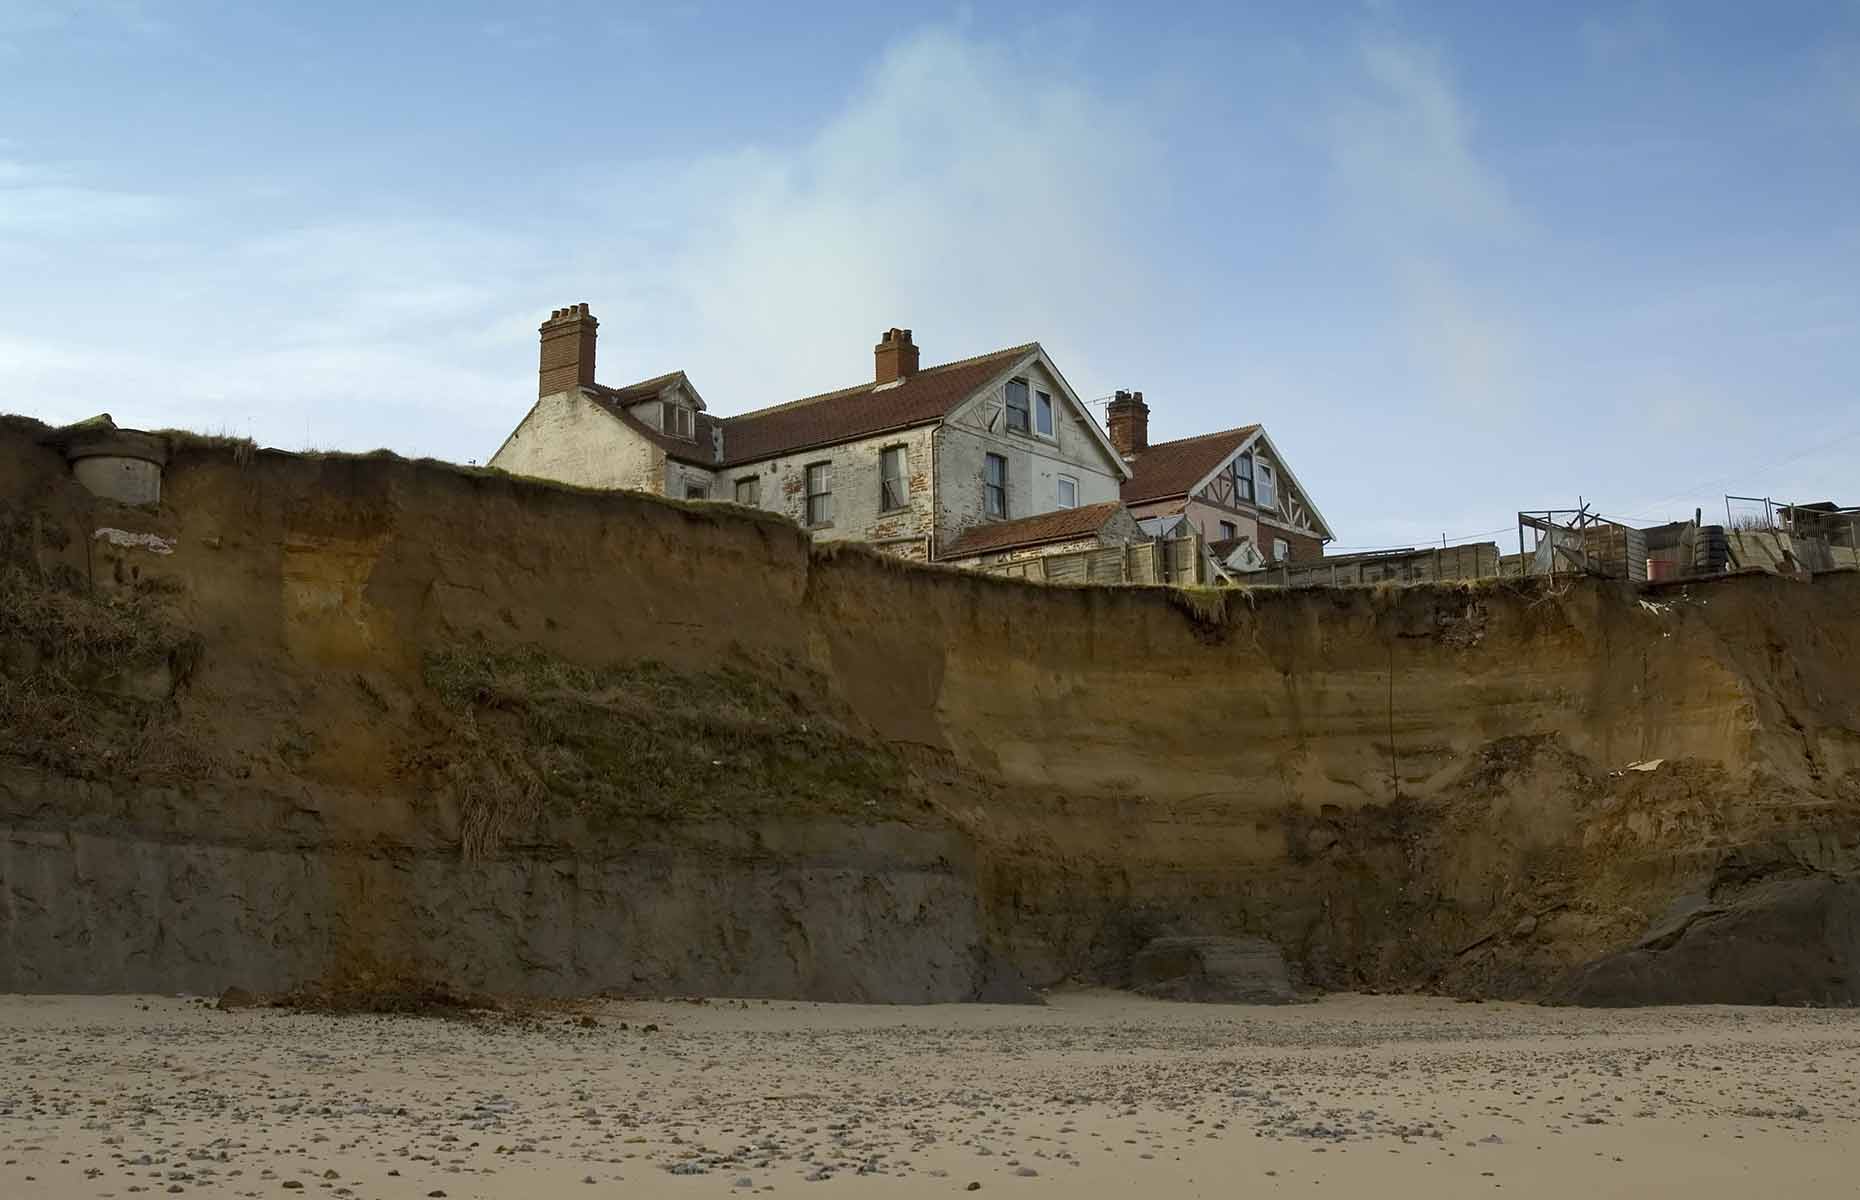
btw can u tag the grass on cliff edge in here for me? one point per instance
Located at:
(644, 741)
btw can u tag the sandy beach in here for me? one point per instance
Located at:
(1096, 1094)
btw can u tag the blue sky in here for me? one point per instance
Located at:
(1460, 259)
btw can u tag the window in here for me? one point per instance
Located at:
(1043, 414)
(1243, 478)
(1017, 405)
(1268, 495)
(1068, 492)
(1229, 531)
(749, 491)
(696, 491)
(994, 485)
(676, 419)
(1281, 550)
(891, 493)
(820, 493)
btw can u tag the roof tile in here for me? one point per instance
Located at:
(861, 411)
(1059, 525)
(1171, 468)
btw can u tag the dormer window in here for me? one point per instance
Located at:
(677, 420)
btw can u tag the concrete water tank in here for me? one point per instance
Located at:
(123, 465)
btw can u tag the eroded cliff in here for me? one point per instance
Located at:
(360, 717)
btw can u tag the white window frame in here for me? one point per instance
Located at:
(1025, 410)
(702, 490)
(817, 507)
(902, 498)
(1265, 486)
(1043, 406)
(990, 488)
(1059, 491)
(1229, 531)
(1281, 550)
(675, 420)
(755, 491)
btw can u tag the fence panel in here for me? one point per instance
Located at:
(1170, 560)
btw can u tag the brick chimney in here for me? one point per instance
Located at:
(1128, 419)
(567, 350)
(895, 355)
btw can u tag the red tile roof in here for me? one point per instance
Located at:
(865, 410)
(1170, 468)
(1062, 524)
(862, 411)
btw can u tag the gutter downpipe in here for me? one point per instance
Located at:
(935, 432)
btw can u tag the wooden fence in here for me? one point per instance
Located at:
(1478, 561)
(1178, 561)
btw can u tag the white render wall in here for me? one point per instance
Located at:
(570, 439)
(856, 494)
(679, 476)
(1034, 463)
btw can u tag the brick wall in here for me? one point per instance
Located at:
(1304, 547)
(857, 510)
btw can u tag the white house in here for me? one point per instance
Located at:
(911, 460)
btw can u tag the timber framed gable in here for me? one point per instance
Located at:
(1254, 480)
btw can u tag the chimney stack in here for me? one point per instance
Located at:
(567, 350)
(895, 356)
(1128, 419)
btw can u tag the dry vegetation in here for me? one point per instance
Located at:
(84, 677)
(641, 741)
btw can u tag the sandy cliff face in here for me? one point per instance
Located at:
(364, 717)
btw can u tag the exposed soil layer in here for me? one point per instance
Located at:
(326, 719)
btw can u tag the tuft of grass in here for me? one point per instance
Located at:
(1205, 607)
(242, 449)
(642, 741)
(68, 662)
(72, 631)
(21, 423)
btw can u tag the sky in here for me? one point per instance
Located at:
(1460, 259)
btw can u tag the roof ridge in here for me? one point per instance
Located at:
(864, 387)
(1201, 437)
(628, 387)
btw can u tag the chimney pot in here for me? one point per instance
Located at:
(895, 356)
(567, 350)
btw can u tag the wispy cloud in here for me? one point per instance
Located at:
(1469, 350)
(961, 191)
(43, 201)
(1402, 146)
(1427, 210)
